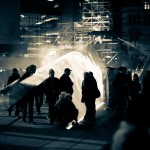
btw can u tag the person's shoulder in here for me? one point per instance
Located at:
(63, 76)
(56, 78)
(93, 79)
(9, 77)
(47, 79)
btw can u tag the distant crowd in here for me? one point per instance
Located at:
(132, 94)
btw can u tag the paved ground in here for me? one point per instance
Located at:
(17, 135)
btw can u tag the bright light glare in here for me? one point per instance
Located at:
(78, 62)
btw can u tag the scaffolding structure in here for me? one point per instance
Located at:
(40, 32)
(96, 17)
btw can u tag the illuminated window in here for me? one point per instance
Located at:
(146, 5)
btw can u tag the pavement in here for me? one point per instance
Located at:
(17, 135)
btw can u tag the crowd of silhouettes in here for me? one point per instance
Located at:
(132, 111)
(131, 95)
(58, 94)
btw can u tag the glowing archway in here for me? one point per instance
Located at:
(78, 62)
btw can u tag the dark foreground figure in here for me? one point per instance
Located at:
(65, 110)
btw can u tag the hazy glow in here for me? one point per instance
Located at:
(78, 62)
(137, 71)
(80, 119)
(140, 48)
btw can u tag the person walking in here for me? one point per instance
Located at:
(15, 76)
(52, 90)
(29, 98)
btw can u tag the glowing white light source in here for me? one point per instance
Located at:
(22, 16)
(79, 62)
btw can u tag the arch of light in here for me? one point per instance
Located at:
(78, 61)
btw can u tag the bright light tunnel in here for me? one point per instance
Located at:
(78, 62)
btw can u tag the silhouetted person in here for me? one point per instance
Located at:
(52, 91)
(29, 98)
(15, 76)
(84, 83)
(134, 100)
(135, 87)
(146, 97)
(66, 83)
(39, 96)
(146, 84)
(66, 110)
(121, 87)
(89, 87)
(97, 92)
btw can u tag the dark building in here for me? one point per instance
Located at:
(32, 29)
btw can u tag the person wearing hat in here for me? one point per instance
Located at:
(66, 83)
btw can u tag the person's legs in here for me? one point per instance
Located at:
(40, 102)
(92, 109)
(89, 110)
(31, 101)
(37, 103)
(17, 110)
(10, 109)
(24, 111)
(74, 117)
(51, 112)
(52, 116)
(41, 97)
(120, 107)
